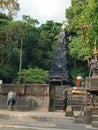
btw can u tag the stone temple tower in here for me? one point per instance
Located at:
(60, 71)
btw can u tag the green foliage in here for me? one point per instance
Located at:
(10, 36)
(78, 49)
(39, 43)
(47, 42)
(3, 19)
(29, 21)
(12, 6)
(73, 15)
(34, 76)
(82, 28)
(92, 16)
(79, 71)
(37, 50)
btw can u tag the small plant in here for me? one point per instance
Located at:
(34, 76)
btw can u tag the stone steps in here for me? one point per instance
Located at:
(95, 121)
(58, 98)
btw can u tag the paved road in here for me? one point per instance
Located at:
(15, 120)
(9, 124)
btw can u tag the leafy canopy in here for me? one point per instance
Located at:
(34, 76)
(11, 6)
(82, 28)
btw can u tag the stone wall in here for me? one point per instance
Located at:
(29, 97)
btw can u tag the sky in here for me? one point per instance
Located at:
(43, 10)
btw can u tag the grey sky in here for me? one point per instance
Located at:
(44, 9)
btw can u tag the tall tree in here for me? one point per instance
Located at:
(83, 28)
(12, 6)
(79, 50)
(3, 19)
(29, 21)
(47, 43)
(10, 41)
(91, 22)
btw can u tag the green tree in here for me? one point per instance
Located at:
(29, 21)
(39, 44)
(47, 43)
(34, 76)
(3, 19)
(78, 49)
(38, 48)
(12, 6)
(10, 37)
(91, 22)
(82, 27)
(31, 40)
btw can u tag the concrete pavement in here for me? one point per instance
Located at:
(57, 116)
(33, 120)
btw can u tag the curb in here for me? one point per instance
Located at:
(35, 116)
